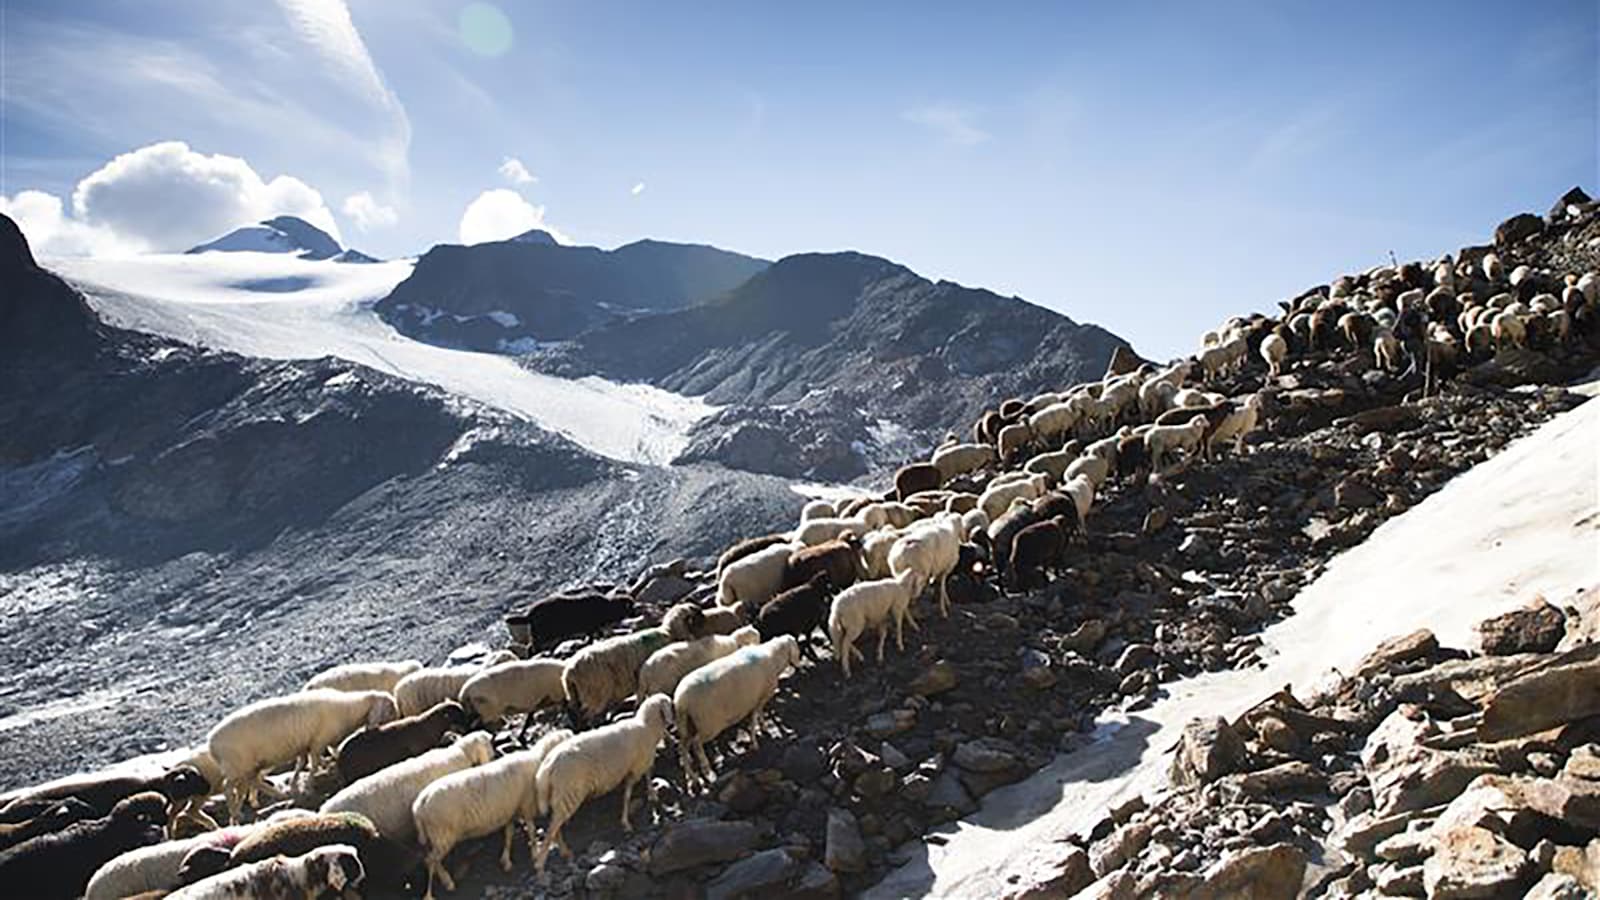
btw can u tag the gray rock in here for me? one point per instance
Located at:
(948, 794)
(893, 758)
(1207, 750)
(696, 842)
(886, 724)
(936, 679)
(803, 762)
(817, 882)
(987, 754)
(764, 871)
(845, 850)
(1036, 671)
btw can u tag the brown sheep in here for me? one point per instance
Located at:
(916, 478)
(746, 547)
(1037, 550)
(839, 559)
(371, 749)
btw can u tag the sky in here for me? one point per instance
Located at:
(1150, 167)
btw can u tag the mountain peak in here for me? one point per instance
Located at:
(15, 256)
(536, 236)
(280, 234)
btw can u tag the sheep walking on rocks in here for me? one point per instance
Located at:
(297, 727)
(1012, 439)
(931, 550)
(873, 604)
(155, 867)
(1037, 550)
(370, 676)
(817, 509)
(478, 802)
(1081, 490)
(1237, 420)
(666, 667)
(997, 498)
(381, 746)
(58, 866)
(960, 459)
(1386, 350)
(568, 614)
(595, 763)
(916, 478)
(606, 672)
(755, 578)
(840, 560)
(1163, 439)
(426, 688)
(325, 870)
(1274, 349)
(385, 797)
(512, 688)
(722, 693)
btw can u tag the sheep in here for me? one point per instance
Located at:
(1509, 330)
(997, 499)
(746, 547)
(514, 687)
(875, 551)
(666, 667)
(988, 425)
(819, 531)
(1011, 409)
(1003, 530)
(1163, 439)
(381, 746)
(558, 617)
(1560, 324)
(1053, 421)
(840, 560)
(101, 791)
(426, 688)
(958, 503)
(817, 509)
(872, 604)
(1274, 349)
(888, 512)
(596, 762)
(1589, 284)
(1053, 463)
(53, 816)
(372, 676)
(1081, 490)
(1133, 457)
(931, 549)
(156, 867)
(1095, 467)
(723, 693)
(929, 502)
(1036, 550)
(1239, 420)
(959, 459)
(607, 672)
(1012, 439)
(385, 797)
(479, 801)
(1386, 350)
(1193, 398)
(1493, 269)
(60, 864)
(332, 868)
(295, 727)
(299, 835)
(973, 521)
(915, 478)
(756, 577)
(722, 620)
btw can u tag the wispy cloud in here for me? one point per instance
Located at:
(951, 124)
(515, 172)
(367, 212)
(637, 189)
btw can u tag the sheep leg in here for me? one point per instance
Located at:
(883, 636)
(505, 845)
(552, 834)
(705, 762)
(627, 800)
(900, 631)
(944, 598)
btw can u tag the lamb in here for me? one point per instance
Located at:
(1274, 349)
(1163, 439)
(607, 672)
(426, 688)
(53, 816)
(723, 693)
(296, 727)
(1386, 350)
(58, 866)
(757, 577)
(932, 549)
(746, 547)
(514, 687)
(385, 797)
(1012, 439)
(817, 509)
(479, 801)
(959, 459)
(596, 762)
(381, 746)
(372, 676)
(872, 604)
(332, 868)
(1037, 549)
(997, 499)
(558, 617)
(666, 667)
(840, 560)
(916, 478)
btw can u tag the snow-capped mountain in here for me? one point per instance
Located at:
(284, 234)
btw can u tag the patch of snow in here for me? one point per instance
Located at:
(342, 379)
(505, 319)
(1524, 522)
(195, 298)
(830, 492)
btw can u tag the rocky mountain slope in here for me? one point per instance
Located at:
(283, 234)
(510, 295)
(825, 358)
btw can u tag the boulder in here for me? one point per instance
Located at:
(845, 850)
(1541, 700)
(1518, 228)
(1257, 873)
(1582, 865)
(1397, 651)
(1574, 197)
(696, 842)
(1111, 852)
(769, 870)
(987, 754)
(1207, 750)
(1536, 628)
(936, 679)
(1470, 863)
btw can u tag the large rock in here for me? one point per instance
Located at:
(1473, 863)
(987, 754)
(1537, 628)
(1541, 700)
(1576, 196)
(1398, 651)
(1070, 875)
(1518, 228)
(1111, 852)
(846, 852)
(1420, 778)
(936, 679)
(696, 842)
(769, 870)
(1208, 750)
(1257, 873)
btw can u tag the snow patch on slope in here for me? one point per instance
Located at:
(280, 307)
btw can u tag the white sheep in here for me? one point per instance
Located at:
(385, 796)
(1509, 330)
(820, 531)
(479, 801)
(997, 498)
(325, 871)
(875, 549)
(1386, 350)
(426, 688)
(1560, 324)
(1173, 377)
(888, 512)
(959, 459)
(1589, 284)
(722, 620)
(154, 867)
(973, 521)
(817, 509)
(298, 727)
(1236, 425)
(1274, 349)
(722, 693)
(1054, 464)
(596, 762)
(368, 676)
(1187, 398)
(1544, 303)
(872, 604)
(755, 578)
(1081, 489)
(1519, 275)
(1092, 466)
(666, 667)
(1012, 438)
(932, 550)
(607, 672)
(521, 686)
(1162, 439)
(1493, 269)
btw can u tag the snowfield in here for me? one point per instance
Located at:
(280, 307)
(1525, 522)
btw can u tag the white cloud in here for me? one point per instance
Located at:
(167, 197)
(501, 213)
(637, 189)
(367, 212)
(515, 172)
(50, 232)
(950, 123)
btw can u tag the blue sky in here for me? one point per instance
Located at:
(1153, 168)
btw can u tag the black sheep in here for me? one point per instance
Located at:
(102, 792)
(371, 749)
(555, 618)
(58, 866)
(54, 816)
(799, 611)
(1036, 551)
(916, 478)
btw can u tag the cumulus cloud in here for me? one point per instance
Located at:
(500, 213)
(515, 172)
(51, 232)
(367, 212)
(637, 189)
(951, 124)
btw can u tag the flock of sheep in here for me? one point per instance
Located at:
(412, 745)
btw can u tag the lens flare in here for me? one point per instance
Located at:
(484, 29)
